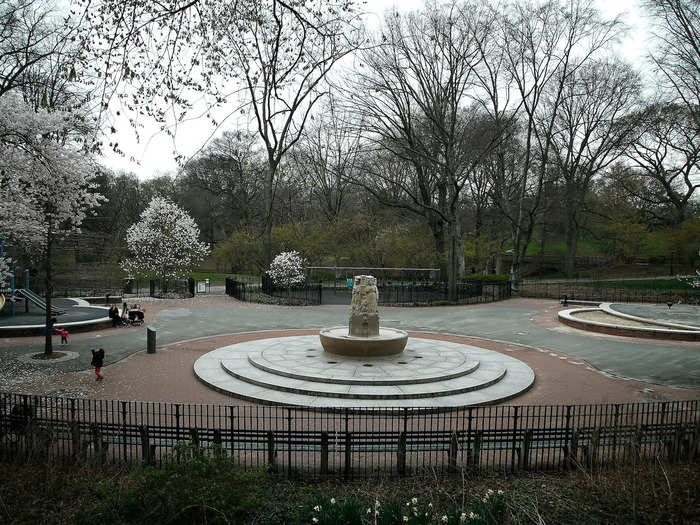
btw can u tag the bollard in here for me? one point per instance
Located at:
(566, 300)
(107, 299)
(150, 340)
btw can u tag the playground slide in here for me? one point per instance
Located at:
(38, 301)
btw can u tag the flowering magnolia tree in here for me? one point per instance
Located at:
(46, 181)
(287, 269)
(165, 241)
(5, 270)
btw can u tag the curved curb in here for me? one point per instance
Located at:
(608, 309)
(566, 317)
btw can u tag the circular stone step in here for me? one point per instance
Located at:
(485, 376)
(420, 363)
(498, 376)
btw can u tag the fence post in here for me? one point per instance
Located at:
(515, 437)
(348, 458)
(271, 452)
(324, 453)
(694, 448)
(572, 456)
(146, 450)
(637, 443)
(124, 444)
(76, 443)
(401, 455)
(525, 450)
(476, 452)
(217, 443)
(454, 447)
(194, 438)
(592, 450)
(99, 444)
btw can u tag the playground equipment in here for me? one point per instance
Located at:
(36, 300)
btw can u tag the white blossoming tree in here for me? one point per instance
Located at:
(165, 241)
(5, 270)
(287, 269)
(46, 181)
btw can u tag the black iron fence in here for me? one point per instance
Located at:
(582, 292)
(468, 292)
(347, 443)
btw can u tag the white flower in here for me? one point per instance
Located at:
(315, 520)
(165, 241)
(405, 518)
(444, 518)
(414, 501)
(369, 511)
(287, 269)
(472, 516)
(489, 492)
(500, 492)
(332, 501)
(430, 505)
(462, 517)
(485, 500)
(317, 508)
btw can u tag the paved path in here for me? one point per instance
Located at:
(670, 364)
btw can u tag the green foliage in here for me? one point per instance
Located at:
(624, 240)
(490, 509)
(200, 489)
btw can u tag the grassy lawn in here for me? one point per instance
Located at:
(641, 284)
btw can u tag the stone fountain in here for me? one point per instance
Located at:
(363, 337)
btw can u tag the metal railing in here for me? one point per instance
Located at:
(582, 292)
(468, 292)
(349, 443)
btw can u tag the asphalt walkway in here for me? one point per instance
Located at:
(670, 364)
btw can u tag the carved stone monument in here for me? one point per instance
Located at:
(363, 337)
(364, 318)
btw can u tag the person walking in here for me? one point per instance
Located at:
(98, 357)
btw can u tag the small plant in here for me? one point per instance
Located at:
(490, 509)
(287, 269)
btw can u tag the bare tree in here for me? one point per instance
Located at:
(666, 152)
(677, 50)
(414, 89)
(589, 133)
(231, 167)
(326, 156)
(546, 44)
(30, 34)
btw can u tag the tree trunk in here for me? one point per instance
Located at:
(452, 259)
(571, 237)
(269, 197)
(48, 347)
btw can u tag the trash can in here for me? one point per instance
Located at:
(150, 340)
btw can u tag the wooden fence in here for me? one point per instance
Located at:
(349, 443)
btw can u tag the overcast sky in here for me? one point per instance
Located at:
(154, 152)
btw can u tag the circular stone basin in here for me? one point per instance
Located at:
(336, 340)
